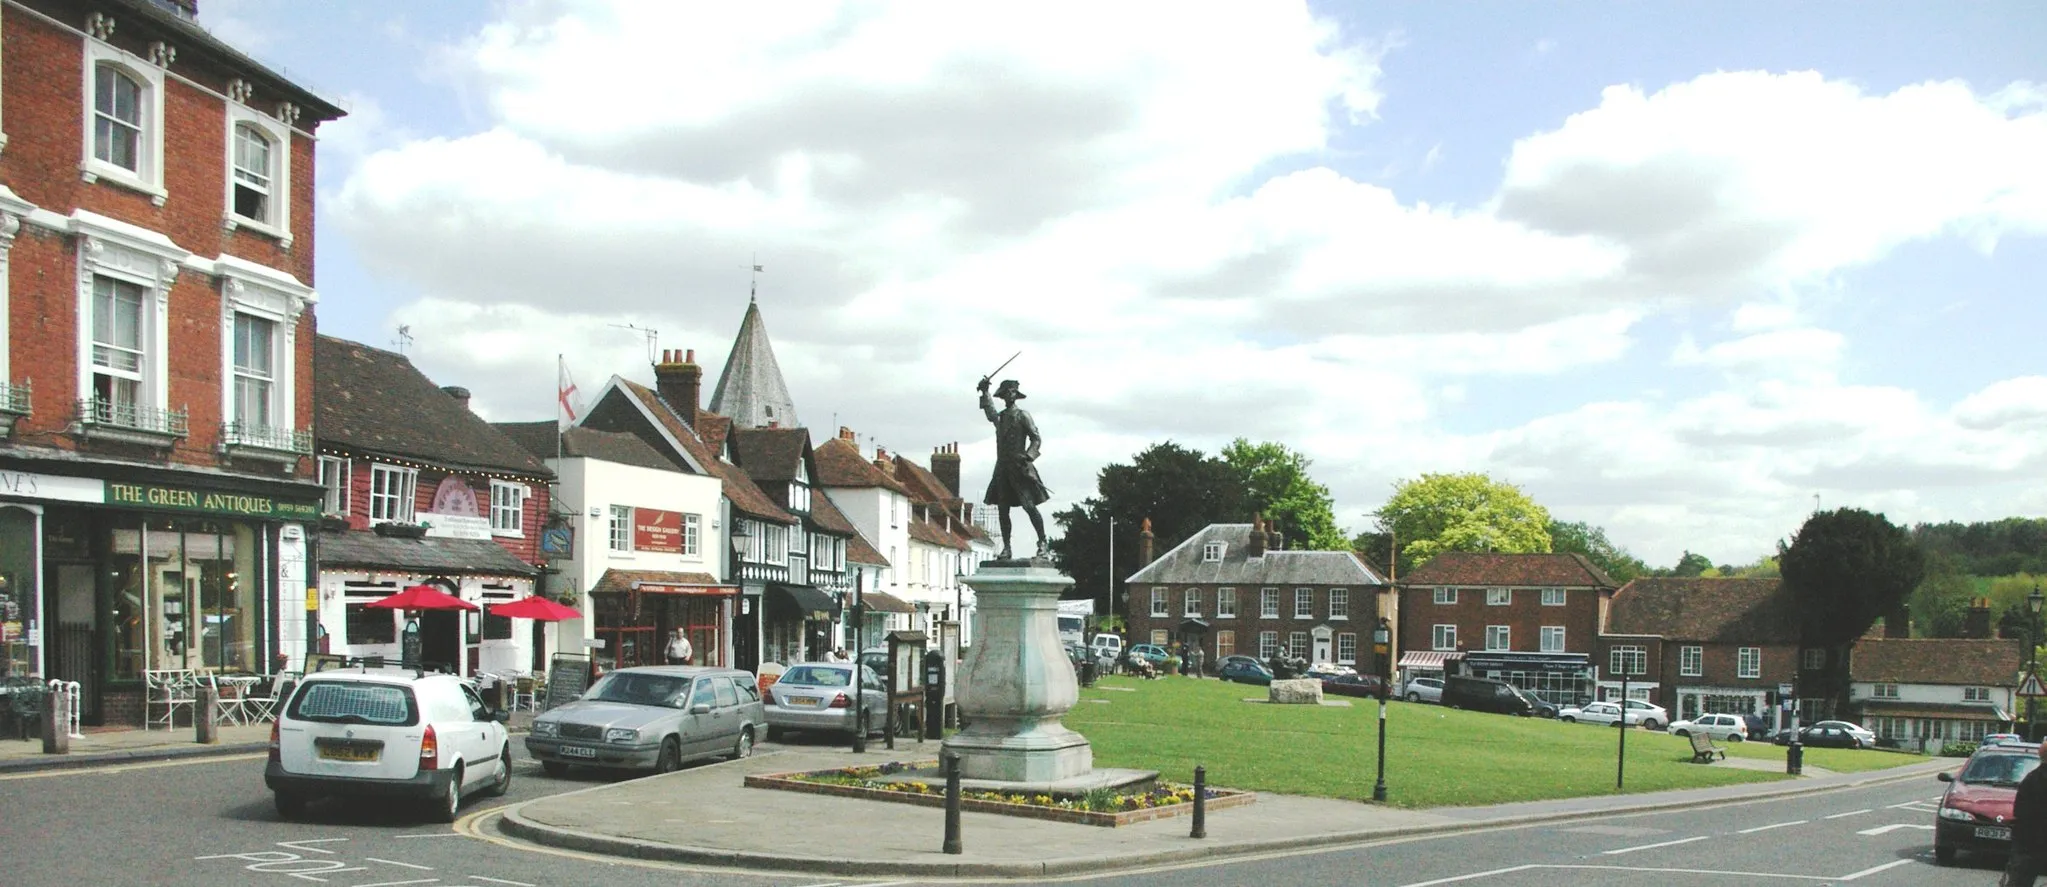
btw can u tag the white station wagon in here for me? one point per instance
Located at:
(1726, 728)
(387, 732)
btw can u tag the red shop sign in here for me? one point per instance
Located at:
(655, 530)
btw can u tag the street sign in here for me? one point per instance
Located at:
(2031, 686)
(1783, 691)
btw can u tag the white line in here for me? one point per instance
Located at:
(1887, 829)
(1874, 870)
(301, 845)
(1654, 846)
(431, 835)
(1455, 879)
(423, 868)
(1765, 828)
(500, 881)
(1849, 813)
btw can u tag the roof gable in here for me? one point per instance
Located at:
(1186, 563)
(1493, 569)
(372, 401)
(771, 454)
(1953, 661)
(1727, 611)
(739, 489)
(839, 464)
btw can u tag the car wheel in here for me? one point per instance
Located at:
(449, 804)
(1650, 724)
(1414, 697)
(744, 747)
(503, 782)
(670, 759)
(1943, 855)
(289, 805)
(1684, 733)
(555, 769)
(1568, 719)
(1734, 737)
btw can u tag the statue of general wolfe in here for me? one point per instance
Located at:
(1015, 481)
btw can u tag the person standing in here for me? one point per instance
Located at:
(2029, 828)
(679, 650)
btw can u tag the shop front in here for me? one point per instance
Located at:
(359, 568)
(1560, 679)
(799, 623)
(637, 611)
(103, 579)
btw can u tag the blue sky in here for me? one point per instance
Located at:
(1674, 268)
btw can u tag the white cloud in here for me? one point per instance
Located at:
(1135, 196)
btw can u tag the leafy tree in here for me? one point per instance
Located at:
(1435, 513)
(1583, 538)
(1845, 569)
(1940, 605)
(1179, 489)
(1691, 565)
(1277, 483)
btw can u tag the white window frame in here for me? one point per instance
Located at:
(1268, 644)
(1499, 597)
(693, 539)
(1159, 607)
(508, 508)
(1190, 603)
(1884, 691)
(1499, 638)
(1304, 603)
(1347, 646)
(1975, 694)
(342, 474)
(1691, 661)
(402, 500)
(1552, 639)
(1339, 603)
(267, 293)
(618, 533)
(1622, 656)
(1552, 597)
(114, 249)
(278, 225)
(799, 496)
(1268, 603)
(1748, 662)
(1443, 637)
(1226, 603)
(276, 401)
(1297, 644)
(147, 177)
(1212, 553)
(1446, 596)
(142, 349)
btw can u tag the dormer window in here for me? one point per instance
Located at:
(799, 497)
(1212, 553)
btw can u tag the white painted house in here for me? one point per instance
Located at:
(1924, 692)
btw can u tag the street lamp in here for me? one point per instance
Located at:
(2033, 602)
(859, 668)
(1381, 638)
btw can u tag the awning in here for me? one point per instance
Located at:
(1954, 711)
(800, 602)
(1425, 659)
(883, 602)
(659, 582)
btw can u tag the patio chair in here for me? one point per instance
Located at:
(256, 709)
(525, 693)
(167, 690)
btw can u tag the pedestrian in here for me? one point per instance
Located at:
(1194, 656)
(679, 650)
(2028, 828)
(839, 655)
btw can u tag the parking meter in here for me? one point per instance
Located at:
(934, 694)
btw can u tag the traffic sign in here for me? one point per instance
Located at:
(2031, 686)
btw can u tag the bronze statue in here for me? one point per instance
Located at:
(1015, 481)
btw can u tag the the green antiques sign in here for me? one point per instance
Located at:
(208, 502)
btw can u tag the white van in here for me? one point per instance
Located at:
(1107, 645)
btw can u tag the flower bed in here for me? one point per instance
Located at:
(914, 783)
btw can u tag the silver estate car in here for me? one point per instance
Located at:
(819, 696)
(652, 718)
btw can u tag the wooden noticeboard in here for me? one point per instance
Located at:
(567, 677)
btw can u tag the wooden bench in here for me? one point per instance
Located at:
(1703, 749)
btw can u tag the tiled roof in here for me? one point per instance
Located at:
(750, 387)
(746, 498)
(930, 533)
(826, 517)
(1959, 661)
(364, 548)
(1753, 611)
(861, 551)
(1185, 563)
(922, 484)
(1472, 568)
(712, 428)
(615, 581)
(770, 454)
(589, 443)
(839, 464)
(371, 401)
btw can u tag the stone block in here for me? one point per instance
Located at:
(1299, 691)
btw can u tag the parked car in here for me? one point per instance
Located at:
(1423, 690)
(1819, 736)
(1244, 670)
(1975, 811)
(819, 696)
(1226, 660)
(1726, 728)
(1485, 694)
(387, 732)
(1107, 645)
(1152, 653)
(1353, 684)
(1639, 713)
(1758, 727)
(2003, 739)
(1863, 736)
(1540, 707)
(652, 718)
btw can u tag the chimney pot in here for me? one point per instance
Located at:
(690, 356)
(681, 385)
(459, 393)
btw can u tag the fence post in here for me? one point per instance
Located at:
(206, 715)
(1200, 802)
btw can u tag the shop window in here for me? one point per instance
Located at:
(186, 595)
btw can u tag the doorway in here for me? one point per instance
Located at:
(440, 639)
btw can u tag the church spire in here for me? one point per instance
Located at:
(750, 388)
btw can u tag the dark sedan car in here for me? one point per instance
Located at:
(1244, 670)
(1364, 685)
(1819, 736)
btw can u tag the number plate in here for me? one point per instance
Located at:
(358, 753)
(804, 701)
(1993, 833)
(577, 751)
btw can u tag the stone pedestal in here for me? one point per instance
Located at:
(1017, 681)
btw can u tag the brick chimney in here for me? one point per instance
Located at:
(1258, 538)
(1977, 623)
(846, 434)
(680, 382)
(1274, 539)
(881, 461)
(1145, 542)
(459, 393)
(945, 464)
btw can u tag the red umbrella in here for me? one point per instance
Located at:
(534, 606)
(421, 597)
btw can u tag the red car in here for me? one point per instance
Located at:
(1367, 685)
(1975, 813)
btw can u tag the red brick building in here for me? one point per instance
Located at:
(156, 334)
(1700, 646)
(1532, 620)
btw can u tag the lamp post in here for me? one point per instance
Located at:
(2033, 602)
(1381, 638)
(859, 669)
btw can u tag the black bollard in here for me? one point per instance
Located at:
(952, 805)
(1200, 802)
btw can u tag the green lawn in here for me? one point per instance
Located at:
(1434, 756)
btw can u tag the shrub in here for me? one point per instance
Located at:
(1958, 749)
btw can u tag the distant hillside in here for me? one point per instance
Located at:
(1994, 548)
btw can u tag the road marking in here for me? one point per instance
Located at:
(500, 881)
(301, 845)
(111, 769)
(1874, 869)
(1455, 879)
(1849, 813)
(1654, 846)
(1662, 871)
(424, 868)
(401, 883)
(1765, 828)
(1887, 829)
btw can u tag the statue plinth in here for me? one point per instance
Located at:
(1017, 681)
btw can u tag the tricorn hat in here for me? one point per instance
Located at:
(1009, 389)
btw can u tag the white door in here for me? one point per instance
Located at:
(1321, 650)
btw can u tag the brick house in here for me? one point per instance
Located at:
(1230, 590)
(1924, 692)
(1699, 646)
(1532, 620)
(419, 490)
(156, 327)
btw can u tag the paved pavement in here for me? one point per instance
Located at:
(704, 815)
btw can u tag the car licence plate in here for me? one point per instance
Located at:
(1993, 833)
(804, 701)
(355, 753)
(577, 751)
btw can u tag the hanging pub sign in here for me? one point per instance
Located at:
(656, 530)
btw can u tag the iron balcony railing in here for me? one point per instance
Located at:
(94, 412)
(267, 437)
(14, 398)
